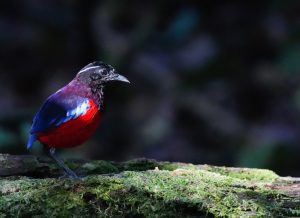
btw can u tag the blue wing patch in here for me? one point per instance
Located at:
(81, 109)
(58, 109)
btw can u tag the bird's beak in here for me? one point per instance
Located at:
(116, 77)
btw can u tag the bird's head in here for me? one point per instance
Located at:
(97, 74)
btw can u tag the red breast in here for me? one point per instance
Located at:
(73, 132)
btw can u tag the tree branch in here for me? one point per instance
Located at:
(142, 187)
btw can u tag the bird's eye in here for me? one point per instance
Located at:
(95, 76)
(104, 73)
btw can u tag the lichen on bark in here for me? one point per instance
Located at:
(142, 188)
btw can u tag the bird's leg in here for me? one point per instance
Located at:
(61, 164)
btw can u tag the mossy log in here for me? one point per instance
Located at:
(30, 187)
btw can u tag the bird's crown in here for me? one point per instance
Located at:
(99, 71)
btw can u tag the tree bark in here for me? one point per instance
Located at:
(29, 187)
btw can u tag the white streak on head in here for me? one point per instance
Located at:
(88, 68)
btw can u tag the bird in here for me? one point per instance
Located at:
(71, 115)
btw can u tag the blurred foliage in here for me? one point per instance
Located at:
(211, 83)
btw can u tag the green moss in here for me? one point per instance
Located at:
(148, 188)
(71, 163)
(99, 167)
(183, 192)
(168, 166)
(140, 164)
(258, 175)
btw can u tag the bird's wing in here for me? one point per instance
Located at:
(58, 109)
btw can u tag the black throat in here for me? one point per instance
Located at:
(98, 95)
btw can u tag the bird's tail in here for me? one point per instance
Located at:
(31, 140)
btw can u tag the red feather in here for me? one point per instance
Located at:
(73, 132)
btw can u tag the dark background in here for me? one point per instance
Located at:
(212, 82)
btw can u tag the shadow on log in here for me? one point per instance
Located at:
(143, 188)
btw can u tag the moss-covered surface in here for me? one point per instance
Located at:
(147, 188)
